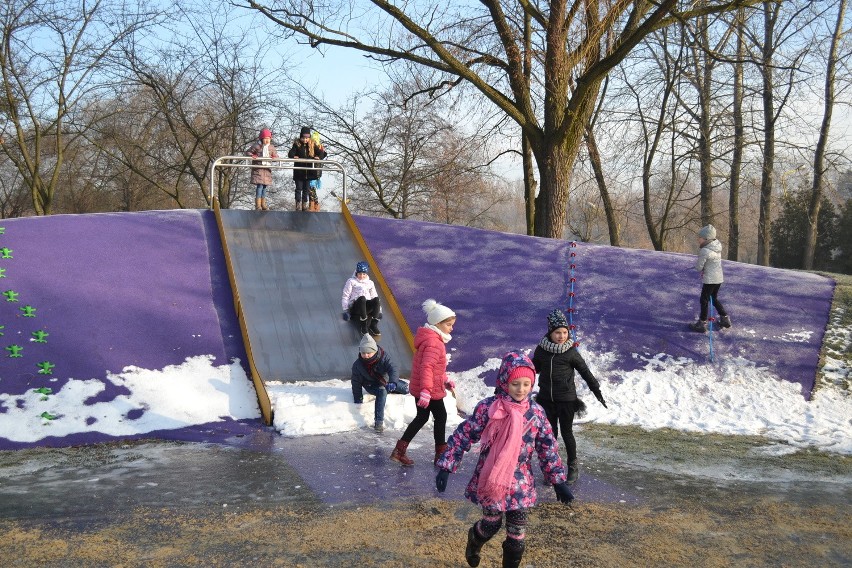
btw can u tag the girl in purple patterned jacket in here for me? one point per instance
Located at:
(511, 428)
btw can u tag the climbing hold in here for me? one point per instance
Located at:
(48, 416)
(11, 295)
(28, 311)
(40, 336)
(6, 252)
(14, 351)
(46, 368)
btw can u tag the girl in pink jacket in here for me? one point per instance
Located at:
(428, 381)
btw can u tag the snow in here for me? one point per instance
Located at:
(195, 392)
(734, 397)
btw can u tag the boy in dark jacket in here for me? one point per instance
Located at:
(374, 372)
(556, 359)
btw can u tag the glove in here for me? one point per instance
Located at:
(423, 400)
(600, 398)
(346, 316)
(563, 494)
(390, 387)
(441, 480)
(450, 384)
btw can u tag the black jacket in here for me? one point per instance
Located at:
(310, 151)
(556, 378)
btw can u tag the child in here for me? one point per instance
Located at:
(512, 428)
(556, 359)
(374, 372)
(304, 147)
(709, 263)
(262, 177)
(361, 302)
(428, 382)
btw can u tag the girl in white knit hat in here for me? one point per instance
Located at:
(428, 382)
(709, 263)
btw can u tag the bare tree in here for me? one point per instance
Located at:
(52, 60)
(483, 45)
(817, 193)
(196, 97)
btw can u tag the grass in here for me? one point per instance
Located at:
(837, 343)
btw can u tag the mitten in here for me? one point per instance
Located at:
(345, 316)
(600, 398)
(390, 387)
(425, 397)
(563, 494)
(441, 480)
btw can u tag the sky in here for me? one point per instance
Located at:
(663, 392)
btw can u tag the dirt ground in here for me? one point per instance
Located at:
(706, 501)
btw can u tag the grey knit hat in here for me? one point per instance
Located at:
(368, 344)
(555, 320)
(708, 232)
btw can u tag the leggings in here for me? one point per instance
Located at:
(561, 414)
(709, 291)
(437, 409)
(492, 520)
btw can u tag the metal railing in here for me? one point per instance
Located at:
(242, 162)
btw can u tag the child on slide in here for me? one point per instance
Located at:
(360, 300)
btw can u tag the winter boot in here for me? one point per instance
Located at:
(373, 328)
(298, 206)
(700, 326)
(263, 204)
(573, 472)
(257, 204)
(362, 326)
(473, 548)
(439, 450)
(512, 553)
(398, 454)
(725, 321)
(379, 427)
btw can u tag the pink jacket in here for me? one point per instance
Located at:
(429, 366)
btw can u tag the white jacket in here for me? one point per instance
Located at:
(354, 289)
(709, 262)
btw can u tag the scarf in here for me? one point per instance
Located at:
(503, 435)
(446, 337)
(548, 345)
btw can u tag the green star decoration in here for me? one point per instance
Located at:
(11, 295)
(6, 252)
(2, 273)
(43, 390)
(46, 368)
(48, 416)
(29, 311)
(2, 327)
(2, 230)
(40, 336)
(14, 351)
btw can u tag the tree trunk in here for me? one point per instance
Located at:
(704, 85)
(768, 176)
(597, 167)
(819, 155)
(739, 142)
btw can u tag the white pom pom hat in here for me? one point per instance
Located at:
(436, 313)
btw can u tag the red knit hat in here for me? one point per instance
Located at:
(521, 372)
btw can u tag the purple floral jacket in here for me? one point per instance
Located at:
(538, 439)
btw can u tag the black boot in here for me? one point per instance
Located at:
(373, 328)
(512, 553)
(573, 472)
(362, 326)
(474, 546)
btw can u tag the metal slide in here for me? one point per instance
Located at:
(289, 268)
